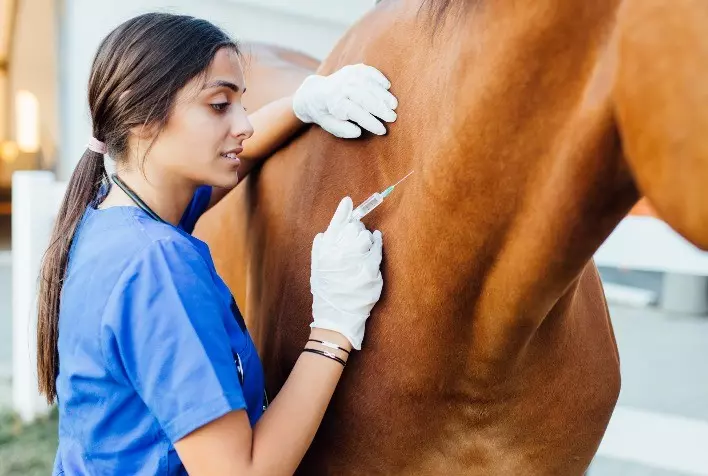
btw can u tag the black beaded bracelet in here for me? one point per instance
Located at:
(329, 344)
(329, 355)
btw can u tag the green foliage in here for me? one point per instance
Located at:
(27, 450)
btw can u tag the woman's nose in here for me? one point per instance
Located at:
(242, 127)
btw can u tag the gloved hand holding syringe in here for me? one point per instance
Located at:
(374, 200)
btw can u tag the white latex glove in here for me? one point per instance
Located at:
(357, 93)
(345, 278)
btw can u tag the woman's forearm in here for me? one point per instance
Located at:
(273, 124)
(284, 433)
(278, 442)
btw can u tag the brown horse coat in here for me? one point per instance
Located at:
(531, 126)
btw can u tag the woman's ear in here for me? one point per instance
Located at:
(144, 131)
(140, 140)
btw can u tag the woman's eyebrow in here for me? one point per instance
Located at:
(220, 83)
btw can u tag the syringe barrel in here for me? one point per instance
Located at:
(367, 206)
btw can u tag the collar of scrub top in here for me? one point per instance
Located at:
(135, 198)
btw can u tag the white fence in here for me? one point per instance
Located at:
(35, 202)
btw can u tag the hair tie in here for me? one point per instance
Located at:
(97, 146)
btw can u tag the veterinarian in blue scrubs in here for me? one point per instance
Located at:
(140, 342)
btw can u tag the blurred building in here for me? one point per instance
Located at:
(29, 131)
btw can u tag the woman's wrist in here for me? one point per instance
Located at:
(331, 336)
(329, 341)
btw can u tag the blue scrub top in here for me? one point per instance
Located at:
(149, 342)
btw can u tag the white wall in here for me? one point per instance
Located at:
(312, 26)
(648, 244)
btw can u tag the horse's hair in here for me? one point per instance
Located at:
(439, 10)
(439, 7)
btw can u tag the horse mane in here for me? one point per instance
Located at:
(438, 8)
(439, 11)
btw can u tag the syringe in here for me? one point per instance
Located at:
(375, 200)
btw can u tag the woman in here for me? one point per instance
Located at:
(139, 340)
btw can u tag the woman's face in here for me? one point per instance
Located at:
(205, 132)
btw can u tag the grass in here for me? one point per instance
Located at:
(27, 450)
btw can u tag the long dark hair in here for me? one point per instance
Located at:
(136, 74)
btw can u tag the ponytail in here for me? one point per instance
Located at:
(82, 188)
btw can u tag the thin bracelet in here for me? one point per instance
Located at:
(329, 355)
(329, 344)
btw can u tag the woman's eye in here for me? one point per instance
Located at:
(220, 106)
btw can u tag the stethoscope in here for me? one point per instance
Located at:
(144, 207)
(134, 197)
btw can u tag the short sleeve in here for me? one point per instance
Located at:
(163, 333)
(196, 208)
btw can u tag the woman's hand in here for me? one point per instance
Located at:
(357, 93)
(345, 278)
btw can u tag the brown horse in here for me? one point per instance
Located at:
(532, 127)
